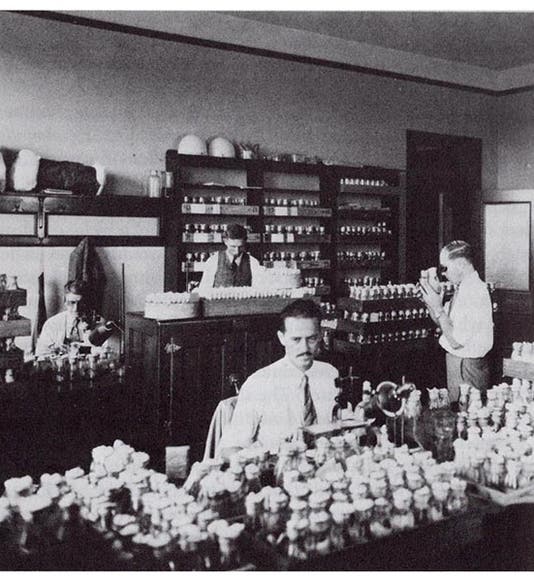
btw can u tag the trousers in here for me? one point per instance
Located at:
(473, 371)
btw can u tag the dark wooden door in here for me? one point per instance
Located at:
(442, 195)
(193, 378)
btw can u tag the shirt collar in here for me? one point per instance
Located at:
(237, 260)
(293, 369)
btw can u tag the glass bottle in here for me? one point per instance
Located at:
(402, 517)
(363, 511)
(438, 509)
(457, 500)
(380, 525)
(154, 184)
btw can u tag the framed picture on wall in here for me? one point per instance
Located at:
(507, 244)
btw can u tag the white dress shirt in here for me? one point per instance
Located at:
(270, 406)
(54, 332)
(471, 314)
(210, 268)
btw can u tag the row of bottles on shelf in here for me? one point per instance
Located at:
(361, 257)
(292, 256)
(202, 256)
(290, 229)
(379, 230)
(242, 200)
(367, 281)
(374, 182)
(390, 291)
(391, 315)
(198, 228)
(236, 200)
(8, 283)
(313, 282)
(390, 337)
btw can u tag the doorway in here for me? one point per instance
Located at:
(443, 181)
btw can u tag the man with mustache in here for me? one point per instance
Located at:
(296, 391)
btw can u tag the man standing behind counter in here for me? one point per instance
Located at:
(466, 320)
(296, 391)
(232, 267)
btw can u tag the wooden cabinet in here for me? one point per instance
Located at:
(181, 369)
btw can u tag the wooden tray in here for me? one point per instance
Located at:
(14, 298)
(517, 369)
(218, 307)
(508, 497)
(15, 327)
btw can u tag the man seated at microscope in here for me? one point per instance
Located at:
(72, 326)
(275, 402)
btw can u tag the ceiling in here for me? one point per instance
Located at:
(492, 52)
(497, 40)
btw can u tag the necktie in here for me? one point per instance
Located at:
(234, 266)
(74, 334)
(310, 415)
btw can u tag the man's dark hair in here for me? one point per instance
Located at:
(76, 286)
(236, 232)
(305, 308)
(457, 249)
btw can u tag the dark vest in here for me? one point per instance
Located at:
(225, 277)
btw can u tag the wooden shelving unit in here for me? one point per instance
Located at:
(282, 196)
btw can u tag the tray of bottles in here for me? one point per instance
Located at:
(408, 549)
(12, 297)
(15, 327)
(517, 369)
(221, 209)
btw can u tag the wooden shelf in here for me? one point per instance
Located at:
(303, 265)
(347, 347)
(219, 187)
(215, 237)
(363, 240)
(369, 305)
(363, 213)
(296, 191)
(220, 209)
(21, 326)
(296, 211)
(370, 190)
(353, 265)
(289, 238)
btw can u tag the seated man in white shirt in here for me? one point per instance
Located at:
(70, 325)
(296, 391)
(232, 267)
(466, 321)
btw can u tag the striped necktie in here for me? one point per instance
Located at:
(74, 334)
(310, 415)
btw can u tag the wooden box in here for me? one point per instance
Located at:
(517, 369)
(15, 327)
(254, 305)
(13, 298)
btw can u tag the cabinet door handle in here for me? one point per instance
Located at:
(172, 347)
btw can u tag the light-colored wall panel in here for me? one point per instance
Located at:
(17, 224)
(61, 225)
